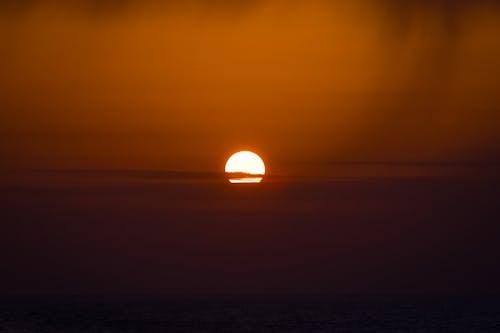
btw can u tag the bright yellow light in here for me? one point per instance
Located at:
(245, 167)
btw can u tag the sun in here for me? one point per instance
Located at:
(245, 167)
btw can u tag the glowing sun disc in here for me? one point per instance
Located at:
(245, 167)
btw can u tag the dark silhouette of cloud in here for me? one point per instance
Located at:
(404, 9)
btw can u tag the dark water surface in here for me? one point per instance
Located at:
(147, 233)
(251, 314)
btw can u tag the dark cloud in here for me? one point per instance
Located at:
(398, 7)
(402, 14)
(115, 6)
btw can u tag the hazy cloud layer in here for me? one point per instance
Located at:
(175, 84)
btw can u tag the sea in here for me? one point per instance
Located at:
(250, 313)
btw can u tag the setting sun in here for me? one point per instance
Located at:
(245, 167)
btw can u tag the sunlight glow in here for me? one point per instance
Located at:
(245, 163)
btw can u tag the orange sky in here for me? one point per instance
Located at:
(181, 86)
